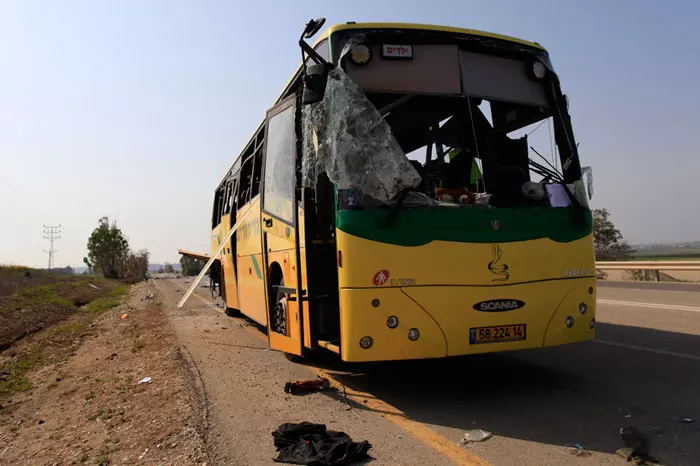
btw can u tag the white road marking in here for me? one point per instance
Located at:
(671, 307)
(649, 350)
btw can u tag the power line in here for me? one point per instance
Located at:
(52, 233)
(13, 189)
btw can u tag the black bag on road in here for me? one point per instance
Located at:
(312, 444)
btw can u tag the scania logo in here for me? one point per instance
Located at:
(499, 305)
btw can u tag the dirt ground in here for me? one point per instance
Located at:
(90, 407)
(32, 308)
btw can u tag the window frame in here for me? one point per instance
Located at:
(272, 112)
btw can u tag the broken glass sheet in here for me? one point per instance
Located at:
(346, 138)
(587, 177)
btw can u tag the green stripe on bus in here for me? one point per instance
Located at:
(415, 227)
(257, 267)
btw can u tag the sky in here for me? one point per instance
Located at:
(135, 109)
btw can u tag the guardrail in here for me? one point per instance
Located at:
(648, 265)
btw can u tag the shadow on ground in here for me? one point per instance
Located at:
(580, 393)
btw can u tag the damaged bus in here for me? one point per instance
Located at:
(390, 206)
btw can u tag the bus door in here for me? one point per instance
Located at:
(280, 235)
(229, 282)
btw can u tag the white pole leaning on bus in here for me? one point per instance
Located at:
(212, 259)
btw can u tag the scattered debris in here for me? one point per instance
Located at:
(636, 446)
(41, 421)
(94, 286)
(578, 450)
(124, 316)
(475, 435)
(148, 296)
(307, 386)
(4, 376)
(628, 416)
(112, 356)
(686, 420)
(625, 453)
(145, 380)
(308, 443)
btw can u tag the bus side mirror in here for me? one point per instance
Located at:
(315, 82)
(313, 26)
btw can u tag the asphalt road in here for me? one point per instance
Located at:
(643, 370)
(658, 286)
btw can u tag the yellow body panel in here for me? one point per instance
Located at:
(448, 263)
(358, 318)
(280, 240)
(434, 288)
(227, 259)
(251, 283)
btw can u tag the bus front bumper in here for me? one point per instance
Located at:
(380, 324)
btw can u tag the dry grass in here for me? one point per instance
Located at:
(52, 344)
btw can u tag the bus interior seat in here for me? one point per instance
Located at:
(421, 171)
(509, 169)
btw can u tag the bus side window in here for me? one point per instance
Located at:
(227, 198)
(245, 182)
(215, 217)
(279, 165)
(232, 197)
(222, 192)
(257, 162)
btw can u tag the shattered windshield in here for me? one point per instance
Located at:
(495, 144)
(346, 138)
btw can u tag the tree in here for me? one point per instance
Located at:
(191, 265)
(161, 269)
(169, 268)
(607, 240)
(137, 265)
(88, 264)
(108, 249)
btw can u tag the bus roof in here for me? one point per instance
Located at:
(424, 27)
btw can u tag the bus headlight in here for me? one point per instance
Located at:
(582, 308)
(592, 325)
(569, 322)
(360, 54)
(538, 69)
(392, 322)
(365, 342)
(413, 334)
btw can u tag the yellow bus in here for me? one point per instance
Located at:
(391, 207)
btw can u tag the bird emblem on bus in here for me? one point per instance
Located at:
(495, 225)
(496, 267)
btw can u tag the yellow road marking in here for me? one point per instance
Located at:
(434, 440)
(204, 300)
(445, 447)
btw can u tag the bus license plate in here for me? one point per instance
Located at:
(496, 334)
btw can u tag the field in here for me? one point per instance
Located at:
(667, 254)
(74, 354)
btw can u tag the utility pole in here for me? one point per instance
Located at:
(52, 233)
